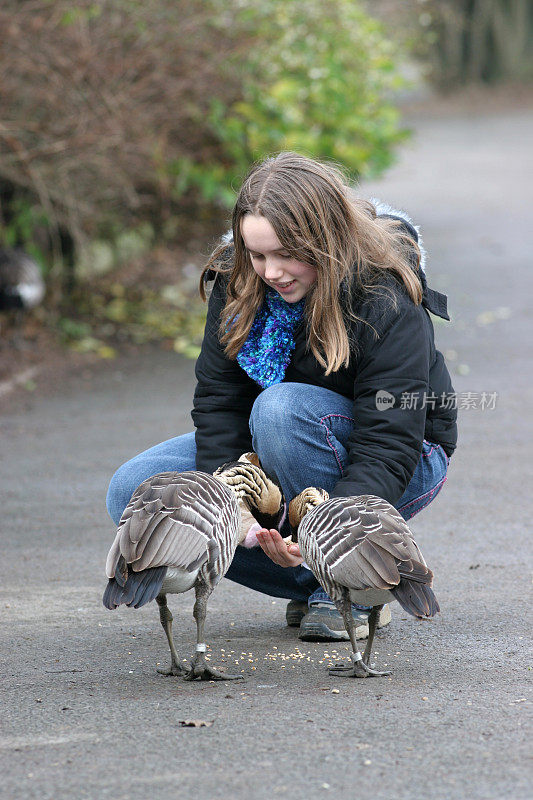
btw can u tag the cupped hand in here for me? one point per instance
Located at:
(286, 555)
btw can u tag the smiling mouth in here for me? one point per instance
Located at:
(283, 285)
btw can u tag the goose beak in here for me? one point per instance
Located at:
(296, 514)
(272, 512)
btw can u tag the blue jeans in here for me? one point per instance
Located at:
(299, 433)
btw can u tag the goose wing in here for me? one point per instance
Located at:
(365, 543)
(173, 519)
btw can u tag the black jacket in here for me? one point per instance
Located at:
(397, 357)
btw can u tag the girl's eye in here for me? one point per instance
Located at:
(256, 256)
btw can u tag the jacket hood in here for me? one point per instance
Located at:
(385, 210)
(434, 301)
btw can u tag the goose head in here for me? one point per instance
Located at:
(303, 503)
(258, 493)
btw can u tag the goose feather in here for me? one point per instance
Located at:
(170, 520)
(363, 542)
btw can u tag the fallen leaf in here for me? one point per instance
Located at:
(196, 723)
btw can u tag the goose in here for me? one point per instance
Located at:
(21, 282)
(179, 531)
(361, 551)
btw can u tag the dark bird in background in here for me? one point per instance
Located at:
(361, 550)
(21, 283)
(179, 531)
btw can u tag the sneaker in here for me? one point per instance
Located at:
(295, 613)
(323, 623)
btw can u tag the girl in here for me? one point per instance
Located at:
(319, 355)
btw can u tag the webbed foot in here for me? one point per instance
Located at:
(358, 669)
(175, 669)
(201, 671)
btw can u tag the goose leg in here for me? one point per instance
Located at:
(372, 624)
(359, 667)
(200, 670)
(166, 621)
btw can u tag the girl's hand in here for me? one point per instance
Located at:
(274, 546)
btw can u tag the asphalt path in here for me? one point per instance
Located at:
(85, 715)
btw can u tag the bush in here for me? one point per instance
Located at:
(117, 113)
(97, 99)
(318, 80)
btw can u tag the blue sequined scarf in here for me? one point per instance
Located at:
(267, 351)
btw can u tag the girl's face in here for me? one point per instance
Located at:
(292, 279)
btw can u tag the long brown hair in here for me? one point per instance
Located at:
(319, 221)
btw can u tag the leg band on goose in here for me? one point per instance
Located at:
(201, 648)
(357, 656)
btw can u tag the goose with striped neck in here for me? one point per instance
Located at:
(179, 531)
(361, 551)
